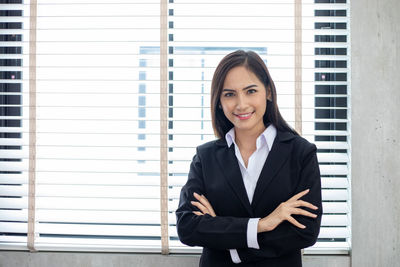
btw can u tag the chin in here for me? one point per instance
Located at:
(248, 126)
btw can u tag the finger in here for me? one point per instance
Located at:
(302, 203)
(206, 203)
(197, 196)
(199, 206)
(209, 208)
(198, 213)
(299, 195)
(295, 223)
(304, 213)
(203, 200)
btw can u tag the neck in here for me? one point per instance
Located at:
(247, 139)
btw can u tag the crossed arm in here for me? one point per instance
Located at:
(294, 224)
(283, 212)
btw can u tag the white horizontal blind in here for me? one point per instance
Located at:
(200, 34)
(98, 126)
(98, 115)
(14, 138)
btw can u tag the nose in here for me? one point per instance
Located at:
(241, 102)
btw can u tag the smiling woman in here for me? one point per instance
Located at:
(253, 197)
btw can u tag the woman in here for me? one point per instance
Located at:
(253, 197)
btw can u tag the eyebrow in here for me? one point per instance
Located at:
(247, 87)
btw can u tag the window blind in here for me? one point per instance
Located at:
(97, 161)
(14, 61)
(331, 131)
(98, 126)
(201, 33)
(98, 112)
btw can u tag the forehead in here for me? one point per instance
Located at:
(240, 77)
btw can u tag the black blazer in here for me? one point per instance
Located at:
(291, 167)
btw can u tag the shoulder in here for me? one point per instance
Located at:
(301, 147)
(303, 143)
(295, 139)
(210, 146)
(205, 155)
(305, 149)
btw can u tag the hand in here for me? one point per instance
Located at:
(285, 211)
(203, 205)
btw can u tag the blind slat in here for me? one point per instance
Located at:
(6, 227)
(122, 204)
(99, 230)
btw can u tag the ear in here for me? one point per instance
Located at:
(269, 97)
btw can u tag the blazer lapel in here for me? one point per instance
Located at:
(230, 168)
(276, 158)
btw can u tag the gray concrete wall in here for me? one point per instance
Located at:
(375, 30)
(57, 259)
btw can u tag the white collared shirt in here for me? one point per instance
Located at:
(250, 177)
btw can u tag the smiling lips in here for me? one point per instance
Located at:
(244, 116)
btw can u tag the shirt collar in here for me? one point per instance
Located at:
(268, 137)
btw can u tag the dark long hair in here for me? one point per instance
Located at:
(256, 65)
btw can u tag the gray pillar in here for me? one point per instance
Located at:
(375, 116)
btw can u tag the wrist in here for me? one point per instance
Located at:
(264, 225)
(261, 226)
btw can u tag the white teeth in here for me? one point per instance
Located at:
(244, 115)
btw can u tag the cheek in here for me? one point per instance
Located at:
(226, 111)
(226, 107)
(262, 108)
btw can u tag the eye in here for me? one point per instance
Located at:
(251, 91)
(228, 94)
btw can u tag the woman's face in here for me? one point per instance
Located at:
(244, 100)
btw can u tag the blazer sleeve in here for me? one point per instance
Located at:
(286, 237)
(213, 232)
